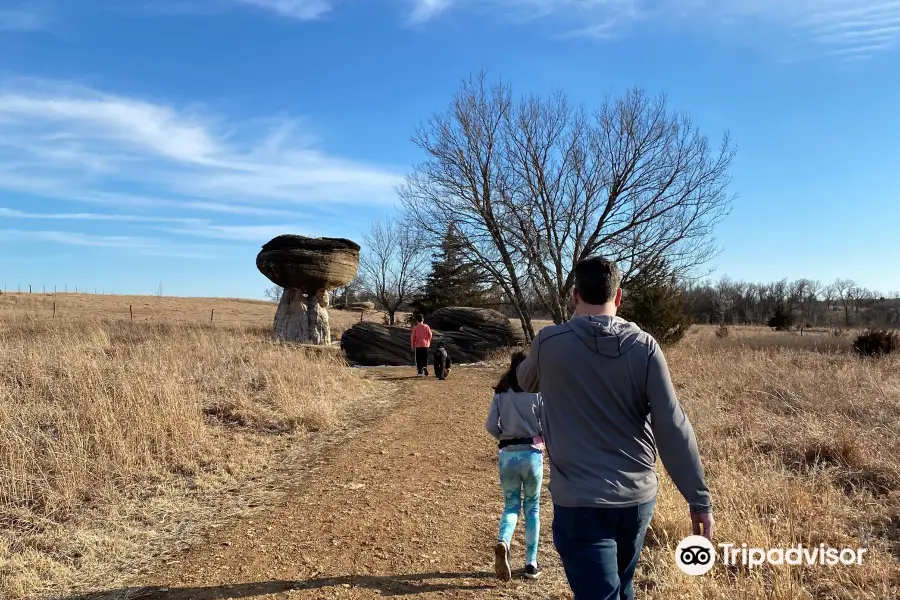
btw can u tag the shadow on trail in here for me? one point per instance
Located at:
(391, 585)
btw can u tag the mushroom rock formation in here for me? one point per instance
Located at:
(307, 268)
(469, 334)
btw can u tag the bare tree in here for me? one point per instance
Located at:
(814, 290)
(536, 185)
(392, 264)
(844, 290)
(828, 295)
(857, 295)
(344, 295)
(461, 183)
(274, 293)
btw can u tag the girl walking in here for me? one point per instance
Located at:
(515, 420)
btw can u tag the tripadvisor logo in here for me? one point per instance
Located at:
(696, 555)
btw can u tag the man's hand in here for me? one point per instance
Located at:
(702, 524)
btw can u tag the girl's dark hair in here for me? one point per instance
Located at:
(509, 380)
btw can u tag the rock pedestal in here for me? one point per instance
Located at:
(303, 317)
(307, 268)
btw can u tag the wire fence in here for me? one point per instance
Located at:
(53, 305)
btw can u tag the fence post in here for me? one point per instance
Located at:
(131, 312)
(54, 310)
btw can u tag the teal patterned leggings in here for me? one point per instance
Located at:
(521, 470)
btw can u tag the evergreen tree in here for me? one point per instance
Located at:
(655, 301)
(782, 320)
(452, 281)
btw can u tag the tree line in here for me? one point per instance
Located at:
(842, 303)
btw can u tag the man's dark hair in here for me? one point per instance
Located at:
(420, 318)
(597, 279)
(509, 380)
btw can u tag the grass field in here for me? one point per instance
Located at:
(108, 426)
(225, 312)
(120, 440)
(801, 445)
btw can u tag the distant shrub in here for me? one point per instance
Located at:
(876, 342)
(722, 331)
(782, 320)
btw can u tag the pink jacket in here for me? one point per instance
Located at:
(421, 336)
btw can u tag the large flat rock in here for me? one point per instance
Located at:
(492, 326)
(372, 345)
(311, 264)
(470, 335)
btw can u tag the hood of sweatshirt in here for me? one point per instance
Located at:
(605, 335)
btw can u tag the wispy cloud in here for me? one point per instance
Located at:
(835, 27)
(64, 141)
(426, 10)
(242, 233)
(20, 19)
(158, 176)
(301, 10)
(12, 213)
(148, 246)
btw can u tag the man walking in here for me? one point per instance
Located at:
(609, 404)
(420, 339)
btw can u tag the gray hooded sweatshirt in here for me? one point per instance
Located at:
(608, 404)
(514, 415)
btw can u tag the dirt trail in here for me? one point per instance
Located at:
(409, 507)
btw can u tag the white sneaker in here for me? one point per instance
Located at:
(533, 571)
(501, 562)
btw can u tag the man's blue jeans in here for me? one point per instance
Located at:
(600, 547)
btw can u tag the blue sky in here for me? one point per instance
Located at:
(148, 141)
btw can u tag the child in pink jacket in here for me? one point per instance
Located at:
(420, 339)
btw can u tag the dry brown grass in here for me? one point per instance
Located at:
(115, 436)
(765, 338)
(800, 447)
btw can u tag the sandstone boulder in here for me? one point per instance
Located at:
(309, 264)
(491, 326)
(469, 334)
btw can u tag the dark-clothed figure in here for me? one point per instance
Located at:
(442, 362)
